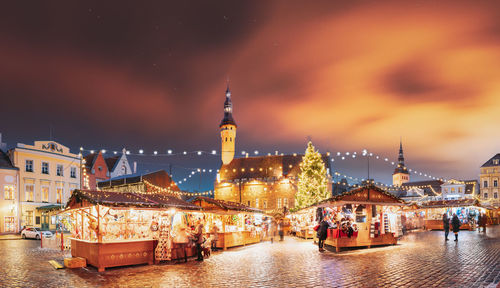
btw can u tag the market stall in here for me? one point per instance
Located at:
(363, 217)
(303, 222)
(467, 211)
(237, 224)
(122, 228)
(413, 217)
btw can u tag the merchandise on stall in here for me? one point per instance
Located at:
(467, 211)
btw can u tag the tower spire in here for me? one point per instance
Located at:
(228, 130)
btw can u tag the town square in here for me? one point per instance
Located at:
(250, 144)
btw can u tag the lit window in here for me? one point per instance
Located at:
(28, 189)
(28, 218)
(59, 170)
(264, 204)
(8, 192)
(29, 165)
(59, 194)
(45, 168)
(279, 202)
(285, 202)
(256, 202)
(495, 161)
(45, 194)
(73, 172)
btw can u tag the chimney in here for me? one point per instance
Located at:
(135, 167)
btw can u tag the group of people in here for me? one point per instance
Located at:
(455, 224)
(183, 237)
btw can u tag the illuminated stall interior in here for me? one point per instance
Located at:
(237, 224)
(116, 229)
(467, 211)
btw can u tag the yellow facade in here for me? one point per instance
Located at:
(228, 140)
(399, 178)
(48, 173)
(490, 182)
(9, 201)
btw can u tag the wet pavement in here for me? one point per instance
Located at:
(422, 259)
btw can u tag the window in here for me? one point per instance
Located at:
(485, 195)
(45, 194)
(37, 220)
(264, 204)
(8, 192)
(29, 165)
(248, 203)
(28, 189)
(28, 218)
(73, 172)
(495, 183)
(495, 195)
(10, 224)
(285, 202)
(124, 169)
(256, 202)
(495, 161)
(59, 194)
(45, 168)
(59, 171)
(53, 220)
(99, 168)
(279, 202)
(459, 189)
(485, 184)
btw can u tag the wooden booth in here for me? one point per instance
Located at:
(237, 224)
(122, 228)
(467, 211)
(303, 222)
(363, 217)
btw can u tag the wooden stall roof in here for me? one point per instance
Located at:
(363, 195)
(83, 198)
(450, 203)
(223, 205)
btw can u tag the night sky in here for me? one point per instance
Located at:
(347, 74)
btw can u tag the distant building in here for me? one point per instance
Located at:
(489, 178)
(48, 173)
(119, 165)
(3, 146)
(419, 191)
(459, 189)
(96, 170)
(340, 187)
(401, 174)
(9, 199)
(153, 182)
(265, 182)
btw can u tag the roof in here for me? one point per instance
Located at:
(5, 162)
(489, 163)
(429, 187)
(90, 159)
(259, 167)
(226, 205)
(126, 199)
(111, 162)
(50, 207)
(367, 194)
(158, 178)
(450, 203)
(401, 169)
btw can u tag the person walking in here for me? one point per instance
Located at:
(446, 226)
(198, 233)
(281, 232)
(455, 223)
(322, 234)
(272, 230)
(479, 222)
(483, 222)
(214, 237)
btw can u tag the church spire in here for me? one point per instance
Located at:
(228, 109)
(401, 158)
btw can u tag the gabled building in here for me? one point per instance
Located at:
(419, 191)
(118, 165)
(96, 170)
(9, 198)
(489, 180)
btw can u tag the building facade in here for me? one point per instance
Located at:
(9, 198)
(459, 189)
(48, 173)
(489, 180)
(401, 174)
(96, 170)
(119, 165)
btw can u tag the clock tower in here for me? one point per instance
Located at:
(227, 131)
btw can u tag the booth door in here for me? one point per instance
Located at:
(45, 221)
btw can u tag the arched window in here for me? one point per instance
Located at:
(226, 139)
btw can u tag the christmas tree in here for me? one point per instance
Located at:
(313, 181)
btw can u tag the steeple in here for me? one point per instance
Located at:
(228, 110)
(401, 158)
(401, 174)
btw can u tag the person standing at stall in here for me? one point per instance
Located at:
(214, 236)
(455, 223)
(198, 234)
(322, 234)
(446, 226)
(280, 230)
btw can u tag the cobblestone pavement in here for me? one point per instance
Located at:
(422, 259)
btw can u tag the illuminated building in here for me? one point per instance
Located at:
(489, 180)
(401, 174)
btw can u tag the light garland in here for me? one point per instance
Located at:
(157, 189)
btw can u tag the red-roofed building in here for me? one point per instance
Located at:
(96, 169)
